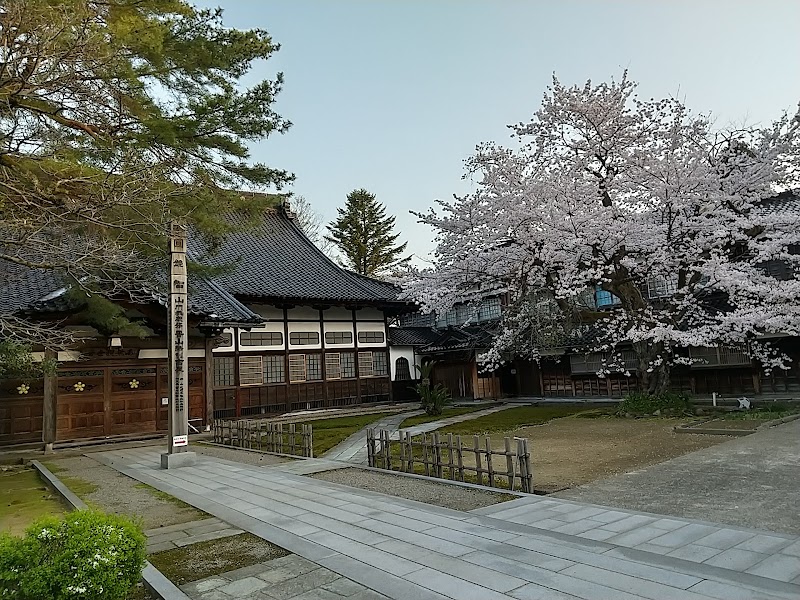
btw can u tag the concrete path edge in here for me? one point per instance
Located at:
(153, 579)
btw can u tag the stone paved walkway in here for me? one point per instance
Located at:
(354, 448)
(183, 534)
(291, 577)
(409, 550)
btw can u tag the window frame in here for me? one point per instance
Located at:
(254, 359)
(272, 334)
(306, 342)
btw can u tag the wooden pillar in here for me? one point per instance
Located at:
(50, 404)
(355, 358)
(209, 381)
(287, 406)
(388, 356)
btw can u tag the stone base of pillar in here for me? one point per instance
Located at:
(177, 460)
(48, 448)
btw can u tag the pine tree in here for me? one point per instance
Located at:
(115, 118)
(363, 234)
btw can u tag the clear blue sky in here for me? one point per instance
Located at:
(392, 96)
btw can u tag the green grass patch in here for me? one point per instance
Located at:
(24, 497)
(164, 496)
(513, 418)
(205, 559)
(80, 487)
(330, 432)
(766, 413)
(448, 412)
(641, 404)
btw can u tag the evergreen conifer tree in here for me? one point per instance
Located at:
(363, 234)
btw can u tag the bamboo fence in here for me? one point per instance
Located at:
(443, 457)
(264, 435)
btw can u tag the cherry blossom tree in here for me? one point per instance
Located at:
(637, 198)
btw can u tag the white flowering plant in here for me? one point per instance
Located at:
(86, 556)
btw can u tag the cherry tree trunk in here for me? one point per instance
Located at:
(654, 369)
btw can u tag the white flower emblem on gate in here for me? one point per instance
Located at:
(23, 388)
(79, 387)
(134, 383)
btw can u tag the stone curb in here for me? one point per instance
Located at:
(696, 427)
(155, 581)
(780, 421)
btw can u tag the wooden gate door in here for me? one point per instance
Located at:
(132, 400)
(456, 377)
(81, 403)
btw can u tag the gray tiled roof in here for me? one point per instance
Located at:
(276, 261)
(26, 291)
(21, 287)
(786, 202)
(412, 336)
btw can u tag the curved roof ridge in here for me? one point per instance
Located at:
(282, 211)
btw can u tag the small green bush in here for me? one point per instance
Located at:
(86, 556)
(666, 403)
(432, 399)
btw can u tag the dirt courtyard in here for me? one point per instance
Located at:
(572, 451)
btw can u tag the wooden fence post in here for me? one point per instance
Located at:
(387, 451)
(402, 454)
(523, 469)
(437, 454)
(476, 447)
(510, 464)
(292, 431)
(489, 466)
(310, 441)
(450, 461)
(528, 465)
(371, 447)
(410, 441)
(460, 459)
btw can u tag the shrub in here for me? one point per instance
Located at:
(86, 556)
(432, 399)
(665, 403)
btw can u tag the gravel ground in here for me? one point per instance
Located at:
(430, 492)
(119, 494)
(255, 459)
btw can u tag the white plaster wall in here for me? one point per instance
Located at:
(338, 313)
(371, 326)
(369, 314)
(230, 348)
(303, 312)
(406, 352)
(333, 326)
(274, 327)
(303, 326)
(267, 311)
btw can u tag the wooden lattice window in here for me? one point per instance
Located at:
(333, 366)
(402, 371)
(313, 367)
(347, 361)
(297, 367)
(250, 370)
(370, 337)
(365, 364)
(304, 338)
(274, 369)
(224, 375)
(338, 337)
(261, 338)
(380, 364)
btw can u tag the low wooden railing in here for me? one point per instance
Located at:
(443, 457)
(257, 434)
